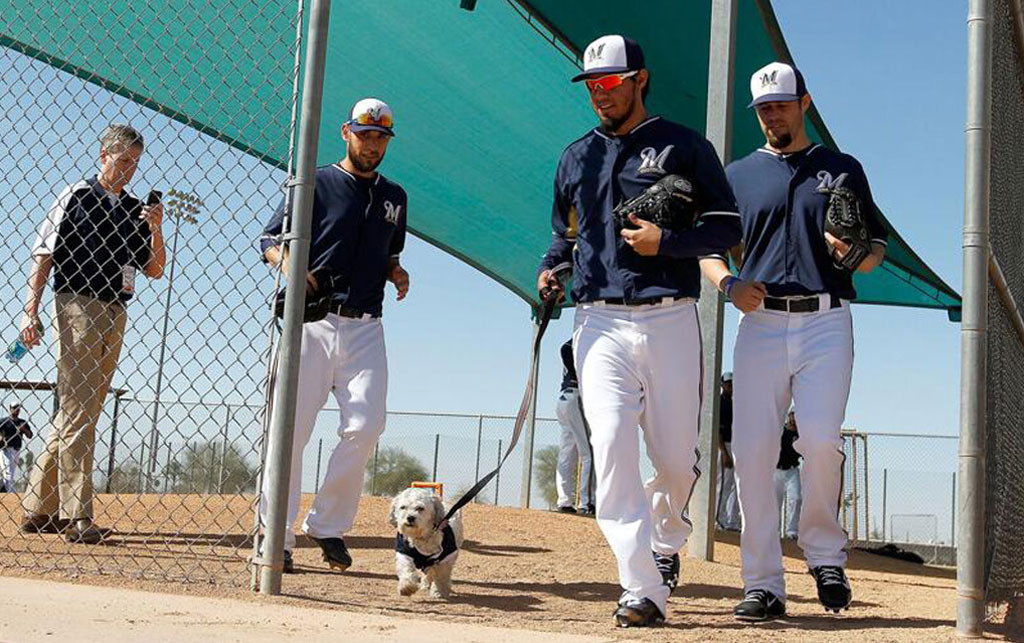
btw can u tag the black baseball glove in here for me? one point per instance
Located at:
(844, 221)
(318, 302)
(670, 203)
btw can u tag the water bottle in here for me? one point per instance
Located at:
(18, 349)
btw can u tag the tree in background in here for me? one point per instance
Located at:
(545, 463)
(391, 471)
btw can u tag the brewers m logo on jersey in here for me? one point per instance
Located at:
(652, 161)
(391, 212)
(828, 183)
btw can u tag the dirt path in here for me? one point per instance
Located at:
(520, 570)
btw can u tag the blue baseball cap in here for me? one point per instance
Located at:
(776, 82)
(611, 54)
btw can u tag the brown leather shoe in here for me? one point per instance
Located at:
(43, 524)
(89, 535)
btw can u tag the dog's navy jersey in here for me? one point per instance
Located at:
(358, 226)
(783, 214)
(423, 561)
(597, 172)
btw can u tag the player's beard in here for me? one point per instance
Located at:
(613, 124)
(780, 141)
(362, 165)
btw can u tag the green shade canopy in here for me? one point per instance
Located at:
(483, 106)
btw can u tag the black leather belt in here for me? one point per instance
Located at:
(646, 301)
(799, 304)
(352, 313)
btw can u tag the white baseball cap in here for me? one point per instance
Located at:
(776, 82)
(727, 376)
(372, 114)
(611, 54)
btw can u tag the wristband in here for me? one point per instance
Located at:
(730, 281)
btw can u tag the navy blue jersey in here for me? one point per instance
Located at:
(358, 226)
(599, 171)
(10, 432)
(784, 218)
(91, 236)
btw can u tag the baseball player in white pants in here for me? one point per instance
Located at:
(358, 232)
(636, 341)
(574, 446)
(787, 479)
(795, 339)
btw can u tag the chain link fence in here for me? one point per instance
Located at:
(1004, 439)
(160, 444)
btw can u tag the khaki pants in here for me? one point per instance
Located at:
(89, 335)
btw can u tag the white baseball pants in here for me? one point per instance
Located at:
(10, 464)
(807, 357)
(641, 366)
(787, 497)
(346, 356)
(573, 451)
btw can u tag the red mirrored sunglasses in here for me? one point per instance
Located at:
(609, 82)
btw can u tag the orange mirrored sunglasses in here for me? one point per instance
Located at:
(609, 82)
(365, 118)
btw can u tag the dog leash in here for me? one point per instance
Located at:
(548, 304)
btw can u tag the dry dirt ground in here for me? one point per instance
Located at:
(520, 570)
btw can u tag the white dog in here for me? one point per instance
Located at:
(425, 552)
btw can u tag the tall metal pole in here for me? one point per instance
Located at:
(113, 441)
(531, 426)
(970, 551)
(710, 310)
(279, 451)
(151, 467)
(885, 498)
(437, 447)
(479, 443)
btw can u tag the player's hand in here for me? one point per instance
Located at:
(837, 247)
(747, 295)
(548, 286)
(400, 277)
(311, 283)
(645, 240)
(153, 215)
(30, 330)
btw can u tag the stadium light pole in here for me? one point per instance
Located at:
(703, 503)
(279, 451)
(970, 551)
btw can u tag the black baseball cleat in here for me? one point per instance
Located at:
(335, 553)
(642, 613)
(669, 568)
(833, 588)
(759, 605)
(288, 567)
(566, 509)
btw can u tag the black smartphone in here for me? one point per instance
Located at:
(154, 197)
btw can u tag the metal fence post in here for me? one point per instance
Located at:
(952, 514)
(867, 486)
(437, 446)
(973, 328)
(497, 476)
(224, 449)
(279, 452)
(856, 499)
(702, 508)
(885, 497)
(373, 479)
(479, 443)
(113, 440)
(319, 454)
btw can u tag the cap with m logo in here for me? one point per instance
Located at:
(611, 54)
(776, 82)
